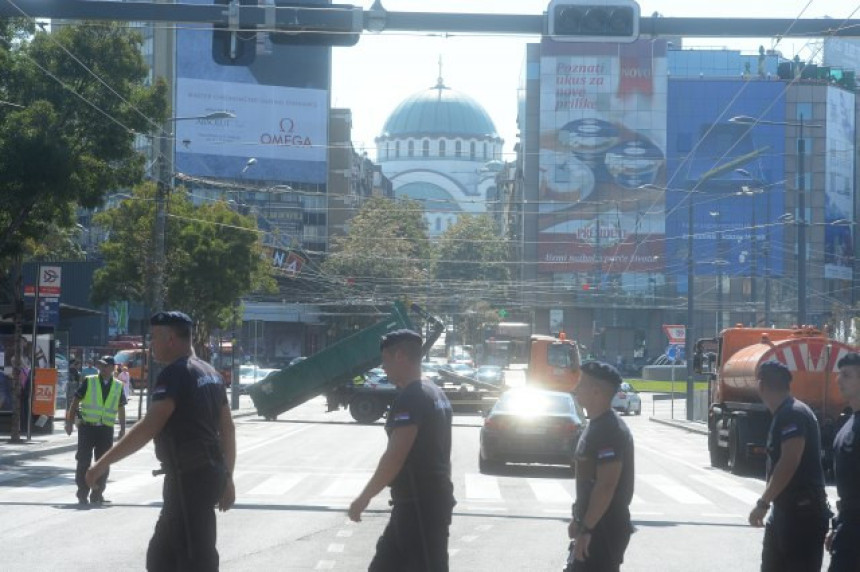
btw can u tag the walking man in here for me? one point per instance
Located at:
(416, 464)
(97, 403)
(195, 441)
(795, 530)
(601, 527)
(843, 542)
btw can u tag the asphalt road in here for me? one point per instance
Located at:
(296, 476)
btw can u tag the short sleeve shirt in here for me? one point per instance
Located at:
(791, 420)
(105, 386)
(199, 394)
(423, 404)
(606, 438)
(846, 464)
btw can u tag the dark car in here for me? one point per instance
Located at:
(491, 374)
(529, 425)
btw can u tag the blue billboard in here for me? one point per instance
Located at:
(732, 174)
(280, 101)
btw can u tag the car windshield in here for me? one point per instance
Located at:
(534, 403)
(461, 367)
(489, 369)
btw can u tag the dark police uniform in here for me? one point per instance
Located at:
(195, 475)
(605, 439)
(794, 533)
(845, 550)
(93, 438)
(422, 495)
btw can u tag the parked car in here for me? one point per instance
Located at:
(459, 369)
(430, 372)
(627, 400)
(491, 374)
(528, 425)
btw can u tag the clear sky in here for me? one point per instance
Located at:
(373, 77)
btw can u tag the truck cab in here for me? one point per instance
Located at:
(554, 363)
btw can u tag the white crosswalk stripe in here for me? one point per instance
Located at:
(276, 485)
(346, 487)
(482, 488)
(728, 487)
(550, 492)
(673, 489)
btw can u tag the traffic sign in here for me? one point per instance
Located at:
(677, 334)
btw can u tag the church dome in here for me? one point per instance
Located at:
(439, 112)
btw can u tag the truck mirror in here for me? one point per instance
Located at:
(697, 362)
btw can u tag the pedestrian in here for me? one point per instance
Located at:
(74, 381)
(416, 465)
(125, 378)
(795, 529)
(195, 441)
(601, 526)
(843, 542)
(97, 403)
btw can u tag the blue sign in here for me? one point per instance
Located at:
(49, 311)
(672, 352)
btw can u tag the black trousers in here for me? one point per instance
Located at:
(794, 541)
(416, 537)
(608, 543)
(91, 440)
(845, 550)
(185, 534)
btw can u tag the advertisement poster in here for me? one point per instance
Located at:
(839, 169)
(280, 103)
(733, 174)
(118, 318)
(602, 160)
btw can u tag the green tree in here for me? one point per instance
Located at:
(472, 250)
(213, 257)
(387, 248)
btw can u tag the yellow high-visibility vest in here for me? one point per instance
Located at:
(98, 411)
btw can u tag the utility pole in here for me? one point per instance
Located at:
(691, 296)
(801, 227)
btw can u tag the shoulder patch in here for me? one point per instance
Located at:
(402, 416)
(606, 453)
(788, 429)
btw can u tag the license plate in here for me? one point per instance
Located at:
(531, 430)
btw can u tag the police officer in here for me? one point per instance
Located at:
(97, 402)
(843, 542)
(601, 527)
(195, 441)
(794, 533)
(416, 464)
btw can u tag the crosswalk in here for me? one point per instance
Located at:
(657, 494)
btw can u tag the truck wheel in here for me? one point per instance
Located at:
(718, 455)
(737, 460)
(365, 409)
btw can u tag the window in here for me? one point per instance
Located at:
(425, 149)
(804, 110)
(438, 224)
(485, 151)
(387, 152)
(458, 149)
(397, 150)
(411, 149)
(442, 148)
(472, 150)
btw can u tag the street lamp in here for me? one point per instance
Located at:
(801, 203)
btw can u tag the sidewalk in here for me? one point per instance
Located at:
(58, 442)
(691, 426)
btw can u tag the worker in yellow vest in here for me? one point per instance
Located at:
(97, 402)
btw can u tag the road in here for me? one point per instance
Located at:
(296, 476)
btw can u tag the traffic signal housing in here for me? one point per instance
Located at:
(312, 24)
(234, 48)
(593, 21)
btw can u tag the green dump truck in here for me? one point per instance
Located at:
(332, 371)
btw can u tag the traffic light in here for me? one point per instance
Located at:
(593, 20)
(234, 48)
(312, 24)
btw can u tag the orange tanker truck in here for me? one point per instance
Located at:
(738, 421)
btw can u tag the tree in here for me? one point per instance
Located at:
(472, 250)
(212, 258)
(387, 248)
(66, 134)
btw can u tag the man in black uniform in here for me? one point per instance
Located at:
(844, 541)
(416, 464)
(794, 533)
(195, 441)
(96, 404)
(601, 526)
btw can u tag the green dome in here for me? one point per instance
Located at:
(435, 197)
(439, 111)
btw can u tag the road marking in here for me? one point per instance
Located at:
(453, 552)
(728, 487)
(130, 484)
(565, 511)
(267, 442)
(641, 513)
(721, 515)
(482, 487)
(469, 538)
(335, 548)
(550, 492)
(483, 527)
(344, 533)
(346, 487)
(276, 485)
(637, 500)
(673, 489)
(325, 565)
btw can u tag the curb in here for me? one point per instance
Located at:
(13, 457)
(689, 426)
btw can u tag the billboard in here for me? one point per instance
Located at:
(602, 138)
(280, 102)
(732, 173)
(838, 187)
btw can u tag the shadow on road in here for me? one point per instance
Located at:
(668, 523)
(533, 471)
